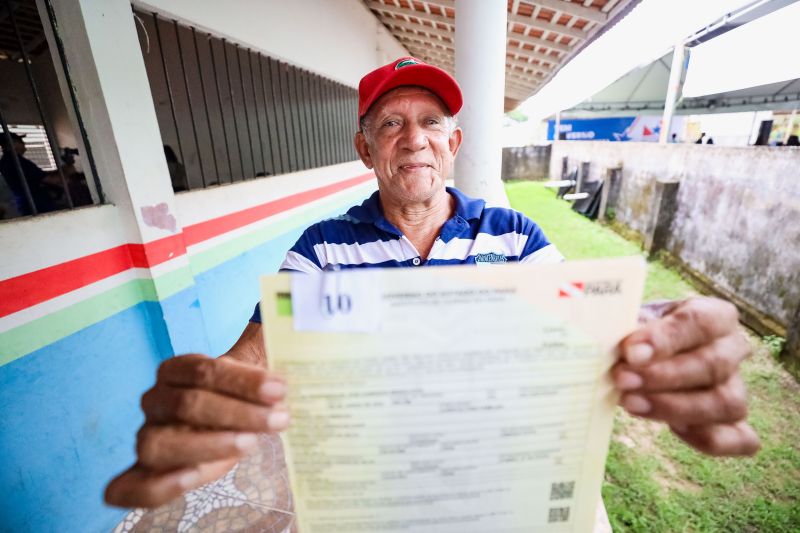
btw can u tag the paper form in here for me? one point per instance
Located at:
(478, 401)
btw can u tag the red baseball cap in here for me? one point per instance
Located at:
(408, 71)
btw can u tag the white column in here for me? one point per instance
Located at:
(673, 91)
(557, 126)
(480, 71)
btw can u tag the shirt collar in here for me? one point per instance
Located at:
(371, 212)
(466, 207)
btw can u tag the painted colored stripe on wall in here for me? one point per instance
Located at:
(40, 332)
(202, 231)
(207, 259)
(41, 285)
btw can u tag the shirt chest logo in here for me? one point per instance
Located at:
(490, 258)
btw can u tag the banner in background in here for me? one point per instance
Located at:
(645, 128)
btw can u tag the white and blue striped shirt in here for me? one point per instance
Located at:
(363, 238)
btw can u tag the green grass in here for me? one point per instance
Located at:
(655, 483)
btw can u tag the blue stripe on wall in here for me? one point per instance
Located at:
(70, 416)
(230, 291)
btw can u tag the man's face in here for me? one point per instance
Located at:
(409, 144)
(19, 146)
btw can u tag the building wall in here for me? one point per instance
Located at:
(85, 346)
(92, 300)
(737, 211)
(526, 162)
(296, 31)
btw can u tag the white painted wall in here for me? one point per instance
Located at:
(205, 204)
(339, 39)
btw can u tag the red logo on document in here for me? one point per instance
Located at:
(573, 289)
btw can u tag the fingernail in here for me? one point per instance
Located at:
(278, 420)
(272, 390)
(628, 380)
(639, 354)
(636, 404)
(189, 479)
(245, 441)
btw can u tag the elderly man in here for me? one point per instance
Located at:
(680, 367)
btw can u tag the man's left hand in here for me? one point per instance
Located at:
(681, 366)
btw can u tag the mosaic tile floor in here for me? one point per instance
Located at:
(254, 496)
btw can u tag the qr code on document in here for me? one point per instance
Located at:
(562, 490)
(558, 514)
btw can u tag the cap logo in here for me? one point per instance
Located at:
(405, 63)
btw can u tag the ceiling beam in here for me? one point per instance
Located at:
(546, 26)
(442, 3)
(538, 24)
(418, 39)
(519, 84)
(522, 79)
(529, 66)
(443, 52)
(437, 32)
(536, 41)
(377, 6)
(573, 9)
(436, 54)
(533, 54)
(434, 32)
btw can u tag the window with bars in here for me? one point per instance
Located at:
(228, 113)
(37, 147)
(46, 164)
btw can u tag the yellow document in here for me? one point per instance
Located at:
(450, 399)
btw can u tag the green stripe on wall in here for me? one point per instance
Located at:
(208, 259)
(39, 333)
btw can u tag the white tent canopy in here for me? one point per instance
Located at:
(761, 52)
(739, 69)
(628, 67)
(644, 90)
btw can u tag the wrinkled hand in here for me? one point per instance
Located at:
(681, 366)
(201, 417)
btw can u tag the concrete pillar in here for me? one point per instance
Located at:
(664, 206)
(610, 193)
(557, 126)
(583, 175)
(791, 350)
(113, 94)
(480, 71)
(673, 91)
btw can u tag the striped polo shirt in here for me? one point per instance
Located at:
(363, 238)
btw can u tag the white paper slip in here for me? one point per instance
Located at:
(342, 301)
(480, 403)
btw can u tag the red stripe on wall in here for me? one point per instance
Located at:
(29, 289)
(40, 285)
(202, 231)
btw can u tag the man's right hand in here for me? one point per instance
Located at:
(201, 417)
